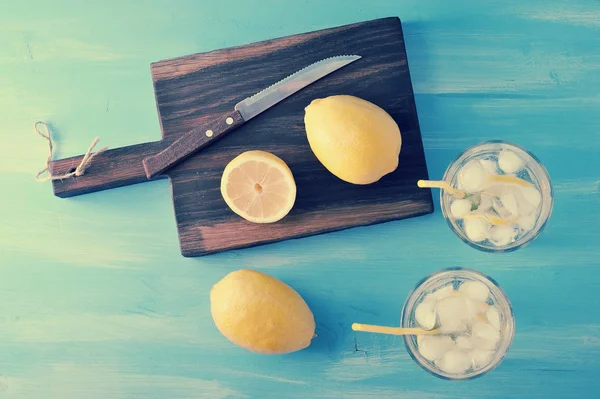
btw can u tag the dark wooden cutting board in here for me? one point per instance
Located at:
(194, 89)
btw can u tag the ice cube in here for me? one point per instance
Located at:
(532, 195)
(452, 312)
(451, 307)
(526, 223)
(502, 234)
(486, 336)
(494, 189)
(485, 204)
(472, 176)
(475, 290)
(485, 331)
(489, 166)
(433, 347)
(493, 317)
(453, 327)
(509, 162)
(454, 362)
(464, 343)
(499, 209)
(460, 208)
(525, 207)
(425, 315)
(476, 229)
(476, 309)
(484, 344)
(480, 358)
(442, 292)
(509, 201)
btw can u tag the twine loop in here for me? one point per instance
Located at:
(79, 170)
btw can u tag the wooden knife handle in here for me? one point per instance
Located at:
(110, 169)
(191, 142)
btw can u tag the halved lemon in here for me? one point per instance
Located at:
(259, 187)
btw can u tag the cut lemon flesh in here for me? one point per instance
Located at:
(259, 187)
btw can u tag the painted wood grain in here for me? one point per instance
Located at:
(90, 311)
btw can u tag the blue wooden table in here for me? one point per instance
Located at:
(97, 302)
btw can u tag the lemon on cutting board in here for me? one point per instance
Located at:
(261, 313)
(259, 187)
(354, 139)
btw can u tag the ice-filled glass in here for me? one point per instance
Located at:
(508, 198)
(474, 317)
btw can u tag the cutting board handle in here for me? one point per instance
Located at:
(112, 168)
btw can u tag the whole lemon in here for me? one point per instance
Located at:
(260, 313)
(354, 139)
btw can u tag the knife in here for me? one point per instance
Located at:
(243, 111)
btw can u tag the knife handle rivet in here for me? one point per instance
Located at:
(229, 120)
(209, 133)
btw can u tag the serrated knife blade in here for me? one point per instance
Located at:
(245, 110)
(265, 99)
